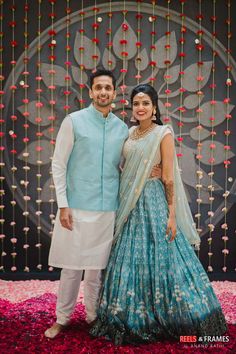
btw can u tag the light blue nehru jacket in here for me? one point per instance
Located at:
(93, 166)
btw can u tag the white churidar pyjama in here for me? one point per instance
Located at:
(68, 293)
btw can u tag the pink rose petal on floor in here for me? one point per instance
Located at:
(27, 309)
(17, 291)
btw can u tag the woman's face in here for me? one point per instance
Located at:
(142, 107)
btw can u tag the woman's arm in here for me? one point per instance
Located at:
(167, 158)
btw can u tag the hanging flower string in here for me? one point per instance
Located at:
(24, 84)
(110, 63)
(199, 79)
(81, 50)
(167, 104)
(181, 89)
(2, 163)
(52, 87)
(109, 33)
(212, 145)
(95, 38)
(12, 134)
(124, 55)
(67, 92)
(153, 48)
(39, 135)
(138, 43)
(227, 147)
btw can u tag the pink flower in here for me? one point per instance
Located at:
(39, 104)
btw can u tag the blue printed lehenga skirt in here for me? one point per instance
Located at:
(154, 289)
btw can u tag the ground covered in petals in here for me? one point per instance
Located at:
(27, 309)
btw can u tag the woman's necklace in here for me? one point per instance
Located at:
(138, 134)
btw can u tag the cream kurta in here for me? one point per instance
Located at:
(88, 245)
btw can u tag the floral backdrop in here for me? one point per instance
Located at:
(48, 49)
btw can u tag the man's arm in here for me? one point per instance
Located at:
(156, 171)
(63, 148)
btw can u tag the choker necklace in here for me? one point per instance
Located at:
(138, 134)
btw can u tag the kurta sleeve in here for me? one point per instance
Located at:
(63, 148)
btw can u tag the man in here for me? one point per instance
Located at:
(85, 170)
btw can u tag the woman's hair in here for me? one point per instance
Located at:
(151, 92)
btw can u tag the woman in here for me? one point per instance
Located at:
(154, 285)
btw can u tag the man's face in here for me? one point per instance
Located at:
(102, 91)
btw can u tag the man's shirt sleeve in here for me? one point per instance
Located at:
(63, 148)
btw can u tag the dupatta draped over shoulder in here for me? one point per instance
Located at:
(138, 165)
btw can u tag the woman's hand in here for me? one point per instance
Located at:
(171, 228)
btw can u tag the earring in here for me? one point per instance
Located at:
(154, 115)
(133, 119)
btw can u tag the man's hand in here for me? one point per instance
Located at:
(156, 171)
(66, 218)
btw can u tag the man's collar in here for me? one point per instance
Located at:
(98, 113)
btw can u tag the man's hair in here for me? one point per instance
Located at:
(102, 72)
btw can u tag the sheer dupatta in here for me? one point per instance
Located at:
(137, 169)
